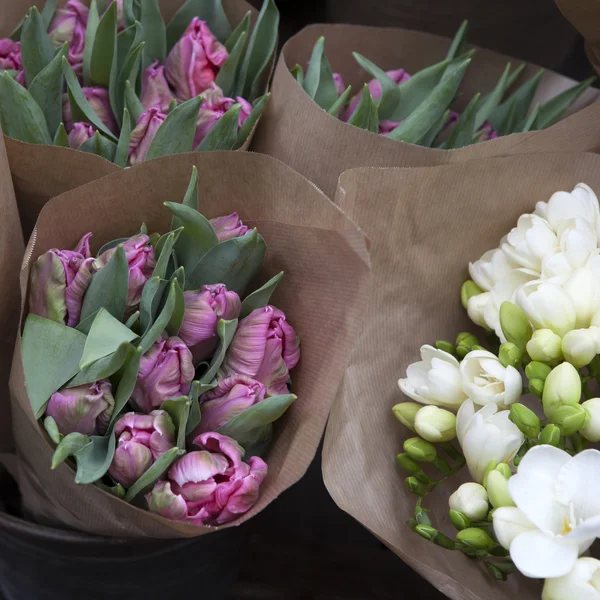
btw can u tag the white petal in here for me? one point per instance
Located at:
(428, 353)
(581, 583)
(578, 482)
(586, 533)
(463, 419)
(513, 385)
(407, 388)
(509, 522)
(539, 556)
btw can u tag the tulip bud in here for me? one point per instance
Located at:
(579, 346)
(469, 289)
(203, 311)
(99, 100)
(570, 418)
(69, 25)
(435, 424)
(515, 324)
(545, 346)
(497, 489)
(408, 464)
(537, 370)
(562, 386)
(84, 409)
(80, 134)
(143, 134)
(426, 531)
(445, 346)
(10, 58)
(156, 92)
(475, 538)
(525, 419)
(459, 520)
(536, 387)
(510, 355)
(420, 450)
(406, 412)
(591, 431)
(470, 499)
(550, 435)
(413, 485)
(229, 227)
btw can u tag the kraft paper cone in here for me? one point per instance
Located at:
(323, 291)
(429, 223)
(41, 172)
(320, 147)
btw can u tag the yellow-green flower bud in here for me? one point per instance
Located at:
(562, 386)
(426, 531)
(550, 435)
(459, 520)
(469, 288)
(464, 343)
(536, 387)
(406, 412)
(515, 324)
(408, 464)
(445, 346)
(497, 489)
(591, 431)
(475, 538)
(435, 424)
(415, 486)
(545, 346)
(504, 470)
(570, 418)
(491, 466)
(537, 370)
(420, 450)
(510, 355)
(525, 419)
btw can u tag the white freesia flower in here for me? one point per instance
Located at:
(471, 499)
(558, 502)
(490, 268)
(580, 346)
(583, 288)
(486, 435)
(582, 583)
(591, 431)
(577, 240)
(547, 306)
(434, 380)
(531, 240)
(477, 306)
(485, 380)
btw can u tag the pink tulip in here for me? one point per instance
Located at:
(212, 486)
(229, 227)
(264, 347)
(100, 103)
(214, 106)
(69, 25)
(58, 282)
(232, 396)
(203, 311)
(10, 58)
(83, 409)
(80, 134)
(156, 92)
(141, 137)
(339, 84)
(166, 372)
(386, 127)
(141, 261)
(194, 62)
(141, 439)
(489, 133)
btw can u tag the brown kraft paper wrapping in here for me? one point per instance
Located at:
(326, 279)
(319, 146)
(41, 172)
(429, 223)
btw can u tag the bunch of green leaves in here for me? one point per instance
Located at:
(109, 344)
(116, 60)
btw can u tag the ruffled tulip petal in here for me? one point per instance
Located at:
(162, 501)
(215, 442)
(197, 467)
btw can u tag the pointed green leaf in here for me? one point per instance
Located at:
(68, 446)
(122, 151)
(133, 319)
(163, 319)
(462, 134)
(366, 115)
(51, 353)
(256, 442)
(260, 298)
(179, 411)
(210, 11)
(36, 48)
(133, 103)
(116, 490)
(390, 92)
(126, 385)
(242, 28)
(298, 74)
(52, 430)
(61, 138)
(512, 122)
(249, 124)
(15, 34)
(94, 460)
(196, 390)
(437, 128)
(223, 134)
(340, 102)
(319, 83)
(159, 468)
(104, 47)
(531, 118)
(176, 320)
(313, 73)
(493, 100)
(176, 134)
(105, 367)
(110, 245)
(48, 11)
(166, 248)
(129, 72)
(459, 43)
(101, 146)
(191, 194)
(108, 288)
(228, 73)
(151, 297)
(234, 263)
(225, 330)
(90, 36)
(155, 33)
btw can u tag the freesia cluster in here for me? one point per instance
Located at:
(168, 376)
(532, 503)
(122, 84)
(418, 108)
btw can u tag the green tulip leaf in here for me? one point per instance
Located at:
(531, 118)
(226, 79)
(459, 42)
(151, 296)
(437, 128)
(94, 460)
(37, 50)
(48, 11)
(70, 445)
(127, 378)
(159, 468)
(163, 319)
(318, 82)
(249, 124)
(242, 28)
(163, 251)
(61, 139)
(210, 11)
(179, 411)
(133, 103)
(104, 47)
(109, 287)
(110, 245)
(260, 298)
(197, 390)
(225, 330)
(155, 33)
(190, 199)
(52, 430)
(257, 441)
(51, 353)
(298, 74)
(366, 115)
(90, 36)
(133, 320)
(100, 146)
(122, 150)
(337, 106)
(176, 320)
(494, 99)
(223, 134)
(462, 134)
(116, 490)
(105, 367)
(128, 72)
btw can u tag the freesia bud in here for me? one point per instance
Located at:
(525, 419)
(415, 486)
(156, 92)
(515, 324)
(580, 346)
(536, 387)
(550, 435)
(545, 346)
(406, 412)
(583, 581)
(99, 100)
(570, 418)
(510, 355)
(80, 134)
(194, 62)
(497, 489)
(426, 531)
(504, 470)
(468, 290)
(141, 439)
(59, 280)
(465, 342)
(203, 311)
(264, 347)
(562, 386)
(444, 346)
(166, 371)
(591, 431)
(212, 486)
(537, 370)
(10, 58)
(229, 227)
(408, 464)
(489, 468)
(475, 538)
(470, 499)
(69, 25)
(420, 450)
(459, 520)
(435, 424)
(85, 409)
(142, 136)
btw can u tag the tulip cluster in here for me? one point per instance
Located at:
(166, 381)
(124, 85)
(524, 444)
(418, 109)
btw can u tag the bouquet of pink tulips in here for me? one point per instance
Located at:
(114, 80)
